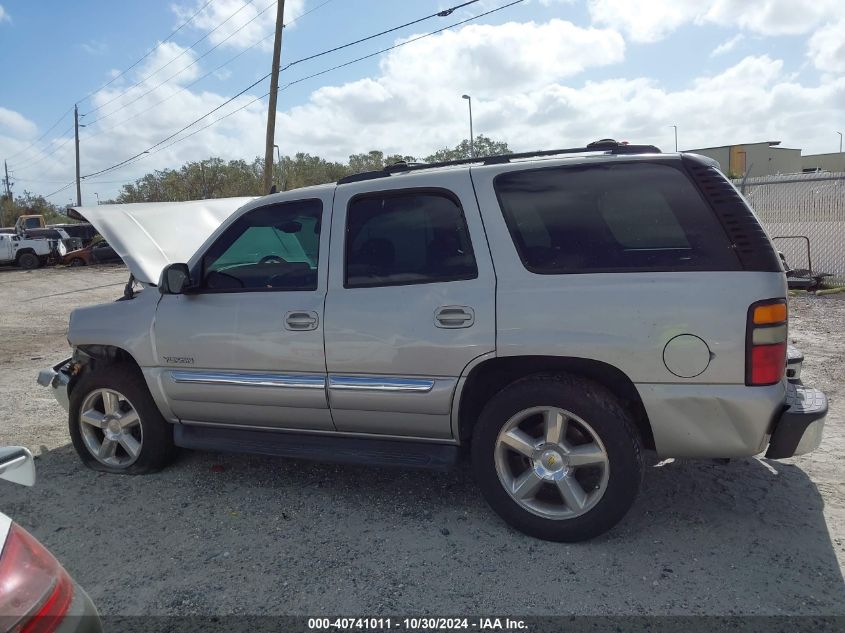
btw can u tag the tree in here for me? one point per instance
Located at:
(304, 170)
(375, 160)
(30, 204)
(484, 146)
(210, 178)
(217, 178)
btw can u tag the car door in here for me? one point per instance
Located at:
(246, 346)
(410, 302)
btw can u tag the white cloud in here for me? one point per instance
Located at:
(826, 47)
(239, 23)
(528, 97)
(16, 124)
(652, 20)
(528, 86)
(419, 89)
(95, 47)
(4, 15)
(772, 17)
(728, 45)
(644, 20)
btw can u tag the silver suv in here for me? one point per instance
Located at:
(557, 312)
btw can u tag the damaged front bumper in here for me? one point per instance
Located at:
(57, 378)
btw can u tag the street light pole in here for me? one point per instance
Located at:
(841, 157)
(676, 136)
(471, 137)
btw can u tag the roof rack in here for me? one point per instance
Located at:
(605, 145)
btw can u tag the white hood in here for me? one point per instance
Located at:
(150, 235)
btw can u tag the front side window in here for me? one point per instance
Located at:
(407, 238)
(611, 218)
(271, 248)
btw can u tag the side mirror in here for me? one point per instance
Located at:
(175, 278)
(17, 465)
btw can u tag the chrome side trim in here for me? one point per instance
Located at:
(237, 379)
(381, 383)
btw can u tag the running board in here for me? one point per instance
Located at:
(324, 448)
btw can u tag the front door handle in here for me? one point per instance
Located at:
(301, 320)
(454, 316)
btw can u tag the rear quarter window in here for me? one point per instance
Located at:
(619, 217)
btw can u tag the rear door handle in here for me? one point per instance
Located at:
(300, 321)
(454, 316)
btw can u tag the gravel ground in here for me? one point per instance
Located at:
(223, 534)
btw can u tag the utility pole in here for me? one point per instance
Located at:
(76, 133)
(8, 186)
(274, 89)
(8, 192)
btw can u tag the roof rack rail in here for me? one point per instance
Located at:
(609, 146)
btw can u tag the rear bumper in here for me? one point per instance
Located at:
(717, 421)
(799, 428)
(57, 379)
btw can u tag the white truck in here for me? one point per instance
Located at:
(29, 253)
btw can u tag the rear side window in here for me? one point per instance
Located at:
(410, 237)
(611, 218)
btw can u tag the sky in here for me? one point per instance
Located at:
(542, 74)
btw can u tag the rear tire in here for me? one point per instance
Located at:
(76, 261)
(557, 457)
(115, 424)
(29, 261)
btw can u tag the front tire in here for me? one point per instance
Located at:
(115, 425)
(29, 261)
(557, 457)
(76, 262)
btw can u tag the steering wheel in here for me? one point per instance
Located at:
(271, 259)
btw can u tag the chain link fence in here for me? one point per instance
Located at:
(805, 216)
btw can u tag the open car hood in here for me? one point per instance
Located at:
(150, 235)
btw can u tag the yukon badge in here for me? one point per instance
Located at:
(179, 360)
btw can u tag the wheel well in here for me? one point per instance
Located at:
(493, 375)
(24, 251)
(91, 356)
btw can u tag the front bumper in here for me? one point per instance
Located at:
(57, 378)
(800, 426)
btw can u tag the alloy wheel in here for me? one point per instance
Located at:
(551, 462)
(111, 428)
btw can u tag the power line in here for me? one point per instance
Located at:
(37, 161)
(180, 91)
(199, 79)
(160, 68)
(113, 79)
(70, 184)
(176, 74)
(139, 157)
(148, 53)
(47, 152)
(38, 140)
(184, 88)
(443, 13)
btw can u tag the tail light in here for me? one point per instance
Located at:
(765, 362)
(35, 590)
